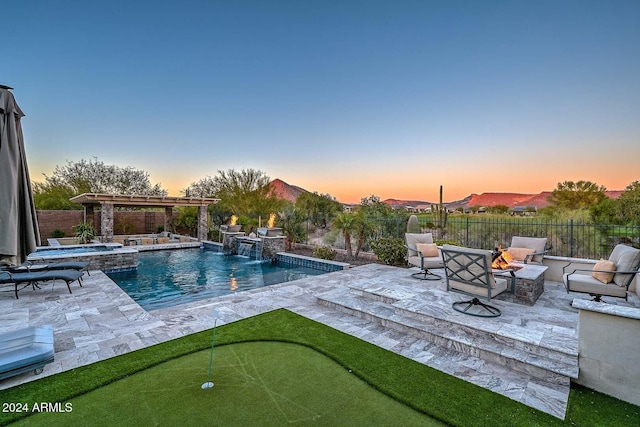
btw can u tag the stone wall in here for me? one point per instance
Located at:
(116, 260)
(609, 345)
(125, 222)
(271, 246)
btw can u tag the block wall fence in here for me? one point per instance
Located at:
(125, 222)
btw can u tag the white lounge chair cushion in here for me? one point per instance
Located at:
(497, 287)
(588, 284)
(626, 258)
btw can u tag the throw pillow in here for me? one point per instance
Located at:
(519, 254)
(605, 265)
(428, 250)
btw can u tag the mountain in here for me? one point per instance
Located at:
(508, 199)
(291, 192)
(286, 191)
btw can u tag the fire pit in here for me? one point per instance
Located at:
(502, 260)
(269, 231)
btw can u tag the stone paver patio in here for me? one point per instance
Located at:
(99, 321)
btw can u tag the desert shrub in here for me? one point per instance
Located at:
(324, 252)
(84, 232)
(57, 233)
(390, 250)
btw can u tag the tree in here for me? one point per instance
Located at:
(53, 197)
(383, 219)
(320, 209)
(345, 222)
(498, 209)
(570, 195)
(92, 176)
(362, 227)
(605, 212)
(242, 193)
(629, 203)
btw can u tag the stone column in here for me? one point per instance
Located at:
(168, 215)
(202, 223)
(107, 222)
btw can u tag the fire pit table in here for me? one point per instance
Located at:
(529, 283)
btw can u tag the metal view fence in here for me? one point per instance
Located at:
(570, 238)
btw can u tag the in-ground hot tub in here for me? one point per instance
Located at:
(107, 256)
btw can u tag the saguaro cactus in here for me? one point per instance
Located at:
(440, 216)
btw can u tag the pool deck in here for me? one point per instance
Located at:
(99, 321)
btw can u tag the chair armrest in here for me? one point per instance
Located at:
(564, 269)
(603, 271)
(407, 247)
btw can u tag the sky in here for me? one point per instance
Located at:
(347, 98)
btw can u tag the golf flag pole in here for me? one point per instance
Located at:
(209, 383)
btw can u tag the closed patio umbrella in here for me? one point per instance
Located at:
(18, 223)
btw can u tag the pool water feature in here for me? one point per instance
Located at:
(173, 277)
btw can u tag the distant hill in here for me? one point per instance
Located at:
(286, 191)
(511, 200)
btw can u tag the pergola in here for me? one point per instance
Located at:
(108, 201)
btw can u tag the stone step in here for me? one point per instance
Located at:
(406, 313)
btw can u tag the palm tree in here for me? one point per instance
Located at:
(345, 222)
(362, 227)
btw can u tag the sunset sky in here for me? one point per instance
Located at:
(350, 98)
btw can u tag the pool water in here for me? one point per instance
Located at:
(44, 252)
(172, 277)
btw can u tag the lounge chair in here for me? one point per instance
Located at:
(528, 250)
(610, 277)
(423, 253)
(33, 278)
(24, 350)
(62, 265)
(468, 271)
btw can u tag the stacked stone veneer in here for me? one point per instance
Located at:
(123, 259)
(309, 262)
(229, 242)
(271, 246)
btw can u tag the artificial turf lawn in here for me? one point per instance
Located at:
(425, 389)
(256, 384)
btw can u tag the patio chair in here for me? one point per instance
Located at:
(610, 277)
(33, 278)
(469, 272)
(423, 253)
(528, 250)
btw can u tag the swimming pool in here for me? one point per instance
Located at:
(173, 277)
